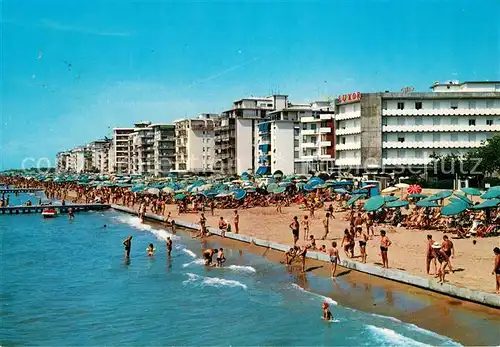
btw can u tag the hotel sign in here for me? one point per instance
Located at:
(348, 97)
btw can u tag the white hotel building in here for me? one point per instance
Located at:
(389, 130)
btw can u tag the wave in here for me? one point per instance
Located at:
(242, 268)
(213, 281)
(324, 298)
(386, 317)
(194, 262)
(136, 223)
(189, 252)
(386, 335)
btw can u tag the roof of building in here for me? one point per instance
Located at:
(458, 83)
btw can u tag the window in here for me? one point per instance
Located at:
(342, 140)
(436, 121)
(454, 121)
(436, 137)
(384, 105)
(269, 105)
(401, 105)
(401, 121)
(304, 139)
(384, 137)
(489, 122)
(497, 87)
(384, 121)
(401, 139)
(436, 105)
(401, 153)
(313, 126)
(419, 137)
(419, 121)
(384, 154)
(313, 139)
(418, 105)
(304, 126)
(489, 103)
(454, 104)
(419, 153)
(472, 104)
(472, 122)
(472, 137)
(342, 109)
(355, 107)
(203, 149)
(454, 137)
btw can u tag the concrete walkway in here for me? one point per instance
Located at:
(391, 274)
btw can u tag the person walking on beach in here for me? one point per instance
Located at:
(169, 246)
(430, 256)
(384, 247)
(236, 222)
(142, 211)
(362, 246)
(448, 249)
(326, 225)
(334, 257)
(358, 224)
(443, 260)
(346, 242)
(305, 226)
(212, 206)
(294, 226)
(128, 245)
(496, 268)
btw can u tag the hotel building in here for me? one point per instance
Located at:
(120, 156)
(376, 131)
(194, 145)
(99, 151)
(163, 148)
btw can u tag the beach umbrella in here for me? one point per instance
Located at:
(359, 191)
(417, 196)
(307, 187)
(414, 189)
(285, 184)
(402, 185)
(374, 203)
(390, 190)
(315, 181)
(456, 200)
(471, 191)
(492, 193)
(210, 193)
(390, 198)
(223, 195)
(464, 199)
(369, 186)
(250, 189)
(179, 196)
(397, 203)
(454, 208)
(279, 190)
(427, 203)
(486, 204)
(168, 190)
(440, 195)
(271, 187)
(137, 188)
(340, 191)
(239, 194)
(154, 191)
(320, 186)
(352, 200)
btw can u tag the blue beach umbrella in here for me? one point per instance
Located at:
(279, 190)
(397, 203)
(374, 203)
(239, 194)
(487, 204)
(417, 196)
(471, 191)
(352, 200)
(138, 188)
(440, 195)
(340, 191)
(179, 196)
(454, 208)
(307, 187)
(492, 193)
(427, 203)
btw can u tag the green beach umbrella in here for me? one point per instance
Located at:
(374, 203)
(397, 203)
(492, 193)
(179, 196)
(427, 203)
(486, 204)
(464, 199)
(279, 190)
(352, 200)
(390, 198)
(417, 196)
(440, 195)
(471, 191)
(454, 208)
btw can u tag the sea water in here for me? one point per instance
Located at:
(67, 283)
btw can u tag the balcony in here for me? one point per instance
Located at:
(440, 128)
(443, 112)
(325, 130)
(348, 146)
(348, 115)
(309, 132)
(308, 120)
(309, 144)
(431, 144)
(406, 161)
(348, 131)
(348, 162)
(325, 143)
(326, 116)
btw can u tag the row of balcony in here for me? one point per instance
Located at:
(348, 131)
(439, 128)
(316, 144)
(316, 119)
(323, 130)
(431, 144)
(443, 112)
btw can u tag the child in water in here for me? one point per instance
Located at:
(150, 250)
(220, 257)
(327, 315)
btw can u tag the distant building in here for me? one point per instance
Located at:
(235, 133)
(389, 131)
(140, 150)
(163, 148)
(120, 156)
(194, 146)
(99, 151)
(62, 162)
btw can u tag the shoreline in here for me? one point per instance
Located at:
(476, 296)
(392, 307)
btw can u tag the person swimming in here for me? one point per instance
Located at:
(327, 315)
(220, 257)
(151, 250)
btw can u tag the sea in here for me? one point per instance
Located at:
(67, 282)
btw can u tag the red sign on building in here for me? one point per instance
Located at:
(348, 97)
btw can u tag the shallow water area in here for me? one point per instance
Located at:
(67, 283)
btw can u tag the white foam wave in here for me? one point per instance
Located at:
(194, 262)
(386, 317)
(242, 268)
(390, 336)
(213, 281)
(324, 298)
(136, 223)
(189, 252)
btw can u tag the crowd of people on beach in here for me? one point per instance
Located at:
(322, 203)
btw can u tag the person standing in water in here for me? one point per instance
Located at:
(169, 246)
(150, 250)
(128, 245)
(71, 214)
(221, 258)
(327, 315)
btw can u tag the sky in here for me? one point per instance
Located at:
(72, 70)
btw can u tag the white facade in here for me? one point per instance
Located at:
(121, 150)
(194, 146)
(99, 155)
(348, 135)
(163, 148)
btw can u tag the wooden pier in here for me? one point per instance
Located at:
(20, 190)
(58, 208)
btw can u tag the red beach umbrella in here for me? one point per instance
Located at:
(414, 189)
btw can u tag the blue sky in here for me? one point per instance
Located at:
(165, 60)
